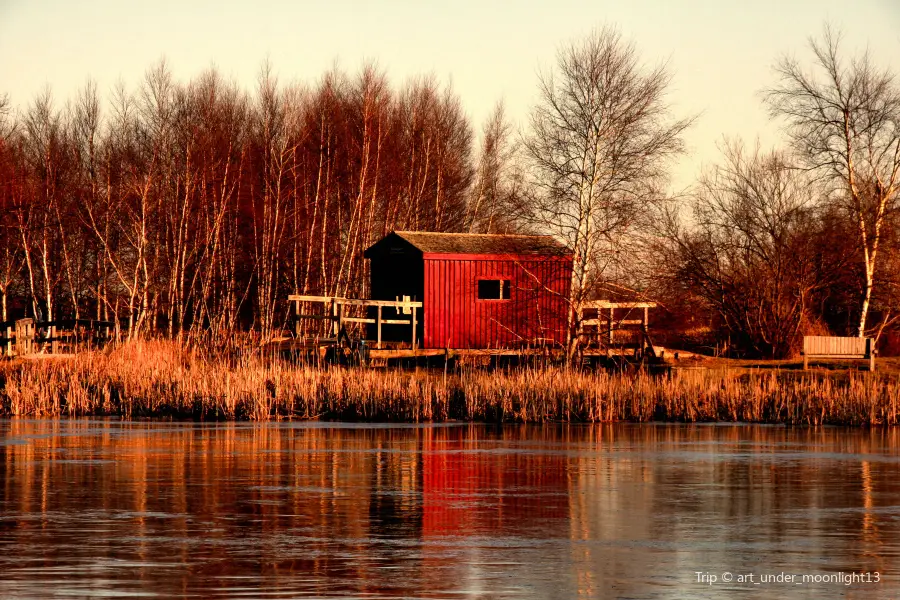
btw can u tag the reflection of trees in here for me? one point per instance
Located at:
(556, 510)
(805, 497)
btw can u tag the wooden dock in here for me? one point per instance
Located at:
(339, 336)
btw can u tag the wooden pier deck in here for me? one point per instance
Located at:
(342, 333)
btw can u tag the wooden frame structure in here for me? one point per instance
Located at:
(606, 316)
(336, 312)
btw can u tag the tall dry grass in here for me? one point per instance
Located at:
(163, 379)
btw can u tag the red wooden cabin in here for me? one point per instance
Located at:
(478, 291)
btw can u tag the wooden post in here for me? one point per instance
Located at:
(24, 336)
(9, 351)
(378, 326)
(297, 318)
(805, 361)
(609, 333)
(414, 328)
(870, 347)
(339, 323)
(334, 325)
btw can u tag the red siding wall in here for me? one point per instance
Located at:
(535, 313)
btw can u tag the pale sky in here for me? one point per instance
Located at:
(720, 52)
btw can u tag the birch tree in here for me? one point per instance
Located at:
(189, 207)
(601, 140)
(497, 189)
(10, 192)
(843, 116)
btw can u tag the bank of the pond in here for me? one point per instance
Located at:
(159, 379)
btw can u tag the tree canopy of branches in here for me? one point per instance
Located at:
(754, 250)
(498, 188)
(187, 207)
(844, 120)
(601, 140)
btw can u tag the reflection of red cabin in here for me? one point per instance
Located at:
(468, 490)
(478, 291)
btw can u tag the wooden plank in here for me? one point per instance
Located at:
(405, 353)
(375, 321)
(24, 336)
(414, 329)
(600, 304)
(357, 301)
(388, 353)
(360, 320)
(388, 303)
(611, 319)
(835, 346)
(616, 324)
(335, 328)
(304, 298)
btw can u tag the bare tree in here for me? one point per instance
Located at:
(497, 191)
(752, 252)
(601, 140)
(193, 207)
(270, 200)
(10, 192)
(844, 119)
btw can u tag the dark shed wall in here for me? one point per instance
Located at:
(394, 275)
(535, 313)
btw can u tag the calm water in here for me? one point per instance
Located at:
(106, 508)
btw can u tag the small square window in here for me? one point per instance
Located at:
(493, 289)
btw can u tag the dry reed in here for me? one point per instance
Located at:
(163, 379)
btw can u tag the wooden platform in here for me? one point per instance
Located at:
(599, 337)
(295, 345)
(321, 347)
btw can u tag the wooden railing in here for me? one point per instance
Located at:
(25, 336)
(336, 310)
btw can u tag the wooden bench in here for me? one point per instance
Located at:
(822, 346)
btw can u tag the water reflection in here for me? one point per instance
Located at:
(92, 507)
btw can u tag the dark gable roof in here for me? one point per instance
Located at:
(477, 243)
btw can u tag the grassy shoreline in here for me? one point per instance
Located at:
(164, 380)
